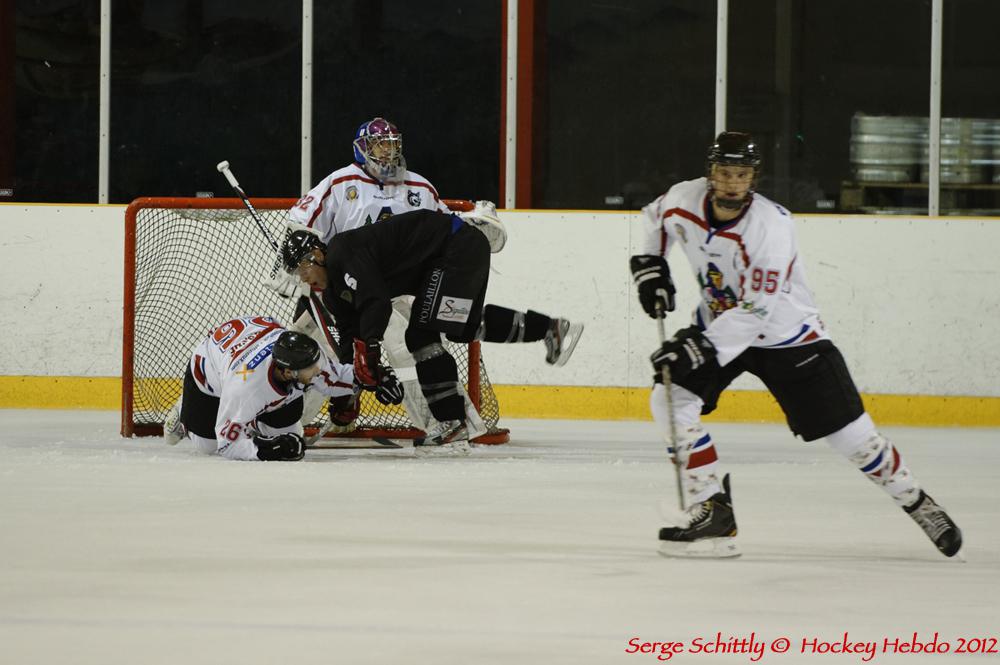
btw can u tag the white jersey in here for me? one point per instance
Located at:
(753, 288)
(234, 364)
(349, 198)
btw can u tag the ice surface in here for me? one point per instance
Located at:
(539, 551)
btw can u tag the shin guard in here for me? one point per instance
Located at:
(507, 326)
(438, 376)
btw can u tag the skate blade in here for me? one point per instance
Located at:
(706, 548)
(569, 343)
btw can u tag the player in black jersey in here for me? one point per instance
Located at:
(443, 260)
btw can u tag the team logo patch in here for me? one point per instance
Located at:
(718, 296)
(261, 355)
(352, 193)
(244, 373)
(456, 310)
(350, 281)
(413, 198)
(430, 295)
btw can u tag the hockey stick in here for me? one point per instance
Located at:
(223, 168)
(314, 303)
(317, 442)
(668, 389)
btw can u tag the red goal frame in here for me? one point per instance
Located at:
(129, 428)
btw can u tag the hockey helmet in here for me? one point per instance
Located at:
(733, 149)
(378, 148)
(297, 246)
(295, 351)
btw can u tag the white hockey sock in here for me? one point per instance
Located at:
(699, 460)
(877, 458)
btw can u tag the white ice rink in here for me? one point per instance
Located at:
(540, 551)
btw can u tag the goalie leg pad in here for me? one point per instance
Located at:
(394, 338)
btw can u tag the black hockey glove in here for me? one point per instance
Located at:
(283, 447)
(652, 278)
(372, 375)
(389, 390)
(686, 352)
(343, 410)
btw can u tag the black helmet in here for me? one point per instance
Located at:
(295, 350)
(733, 149)
(736, 148)
(297, 246)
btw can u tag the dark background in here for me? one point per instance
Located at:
(623, 98)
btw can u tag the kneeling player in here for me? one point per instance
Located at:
(243, 390)
(444, 261)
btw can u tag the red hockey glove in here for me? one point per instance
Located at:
(367, 356)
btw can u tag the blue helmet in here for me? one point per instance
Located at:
(378, 148)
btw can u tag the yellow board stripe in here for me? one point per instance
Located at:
(564, 402)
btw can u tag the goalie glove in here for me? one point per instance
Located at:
(287, 285)
(372, 375)
(484, 218)
(685, 353)
(652, 277)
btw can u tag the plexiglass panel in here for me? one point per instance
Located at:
(193, 83)
(628, 101)
(837, 94)
(970, 104)
(50, 96)
(432, 68)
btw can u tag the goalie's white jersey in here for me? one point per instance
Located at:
(233, 364)
(349, 198)
(753, 287)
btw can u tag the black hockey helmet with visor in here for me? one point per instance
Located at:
(298, 246)
(295, 351)
(733, 149)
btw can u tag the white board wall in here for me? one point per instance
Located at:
(912, 302)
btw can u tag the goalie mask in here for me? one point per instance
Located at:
(295, 351)
(298, 245)
(732, 167)
(378, 148)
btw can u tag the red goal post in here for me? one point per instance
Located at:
(191, 263)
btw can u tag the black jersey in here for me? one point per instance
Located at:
(368, 266)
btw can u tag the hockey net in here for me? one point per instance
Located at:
(192, 263)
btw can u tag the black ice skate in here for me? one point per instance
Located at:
(940, 528)
(560, 340)
(711, 531)
(451, 437)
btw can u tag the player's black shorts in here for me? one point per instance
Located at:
(199, 411)
(453, 292)
(811, 383)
